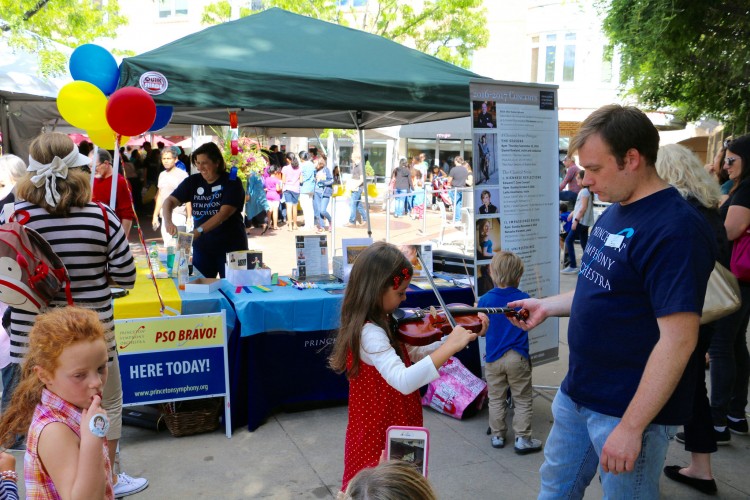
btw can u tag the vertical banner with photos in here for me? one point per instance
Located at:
(515, 170)
(312, 256)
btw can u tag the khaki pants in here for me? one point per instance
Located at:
(514, 371)
(112, 400)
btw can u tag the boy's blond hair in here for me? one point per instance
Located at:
(506, 269)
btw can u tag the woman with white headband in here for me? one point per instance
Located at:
(56, 198)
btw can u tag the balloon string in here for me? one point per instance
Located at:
(143, 244)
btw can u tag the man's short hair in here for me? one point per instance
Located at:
(506, 269)
(622, 128)
(103, 155)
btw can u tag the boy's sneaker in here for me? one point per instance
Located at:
(680, 437)
(527, 445)
(127, 485)
(737, 426)
(497, 442)
(722, 437)
(570, 270)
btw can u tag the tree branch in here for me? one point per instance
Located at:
(28, 14)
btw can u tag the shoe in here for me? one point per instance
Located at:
(722, 437)
(707, 486)
(680, 437)
(737, 426)
(527, 445)
(497, 442)
(570, 270)
(127, 485)
(350, 224)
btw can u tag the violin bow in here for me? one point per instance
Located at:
(435, 289)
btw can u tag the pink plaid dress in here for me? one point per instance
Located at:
(52, 408)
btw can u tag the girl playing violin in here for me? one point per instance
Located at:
(384, 375)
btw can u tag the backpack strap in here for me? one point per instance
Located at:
(106, 220)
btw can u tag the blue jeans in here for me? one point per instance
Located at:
(573, 448)
(457, 202)
(320, 203)
(356, 205)
(730, 363)
(581, 232)
(400, 202)
(11, 376)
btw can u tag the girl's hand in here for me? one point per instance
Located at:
(485, 324)
(459, 338)
(88, 414)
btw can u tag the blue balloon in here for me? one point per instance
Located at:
(163, 115)
(94, 64)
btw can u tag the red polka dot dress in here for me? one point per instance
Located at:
(373, 407)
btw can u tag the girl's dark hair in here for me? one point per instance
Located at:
(292, 158)
(373, 273)
(304, 155)
(214, 154)
(740, 147)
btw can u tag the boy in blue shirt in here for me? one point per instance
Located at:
(507, 358)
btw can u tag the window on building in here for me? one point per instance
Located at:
(550, 58)
(172, 8)
(569, 62)
(534, 58)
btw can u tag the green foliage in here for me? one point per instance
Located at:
(448, 29)
(691, 55)
(32, 25)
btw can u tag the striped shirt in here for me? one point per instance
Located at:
(88, 254)
(52, 408)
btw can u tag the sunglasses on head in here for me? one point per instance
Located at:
(729, 161)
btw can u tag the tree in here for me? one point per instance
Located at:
(691, 55)
(33, 26)
(448, 29)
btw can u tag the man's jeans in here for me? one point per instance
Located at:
(355, 205)
(457, 202)
(573, 448)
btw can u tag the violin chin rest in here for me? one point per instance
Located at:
(398, 314)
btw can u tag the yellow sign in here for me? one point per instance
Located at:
(169, 333)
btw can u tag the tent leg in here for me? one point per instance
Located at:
(361, 133)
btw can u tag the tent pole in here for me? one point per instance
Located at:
(4, 127)
(361, 133)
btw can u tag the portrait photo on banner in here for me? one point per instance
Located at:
(487, 200)
(484, 114)
(485, 159)
(487, 237)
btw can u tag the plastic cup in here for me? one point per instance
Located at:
(170, 258)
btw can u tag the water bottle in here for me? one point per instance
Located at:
(182, 270)
(153, 255)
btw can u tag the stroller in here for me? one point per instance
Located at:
(440, 193)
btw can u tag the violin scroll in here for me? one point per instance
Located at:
(521, 315)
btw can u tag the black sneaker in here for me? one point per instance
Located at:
(737, 426)
(680, 437)
(722, 437)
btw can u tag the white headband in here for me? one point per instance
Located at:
(47, 174)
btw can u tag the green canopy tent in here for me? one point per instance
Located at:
(279, 69)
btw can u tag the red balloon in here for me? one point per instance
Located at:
(130, 111)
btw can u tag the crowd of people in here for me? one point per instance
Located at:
(637, 346)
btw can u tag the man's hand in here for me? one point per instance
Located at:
(621, 450)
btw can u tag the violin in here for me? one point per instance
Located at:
(422, 327)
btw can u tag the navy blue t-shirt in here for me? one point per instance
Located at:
(645, 260)
(502, 336)
(206, 201)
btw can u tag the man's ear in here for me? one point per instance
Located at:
(632, 159)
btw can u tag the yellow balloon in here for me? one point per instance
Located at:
(106, 138)
(83, 105)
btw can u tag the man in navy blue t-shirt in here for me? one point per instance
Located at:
(634, 318)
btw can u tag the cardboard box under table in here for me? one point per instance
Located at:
(280, 359)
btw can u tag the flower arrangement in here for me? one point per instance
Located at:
(250, 157)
